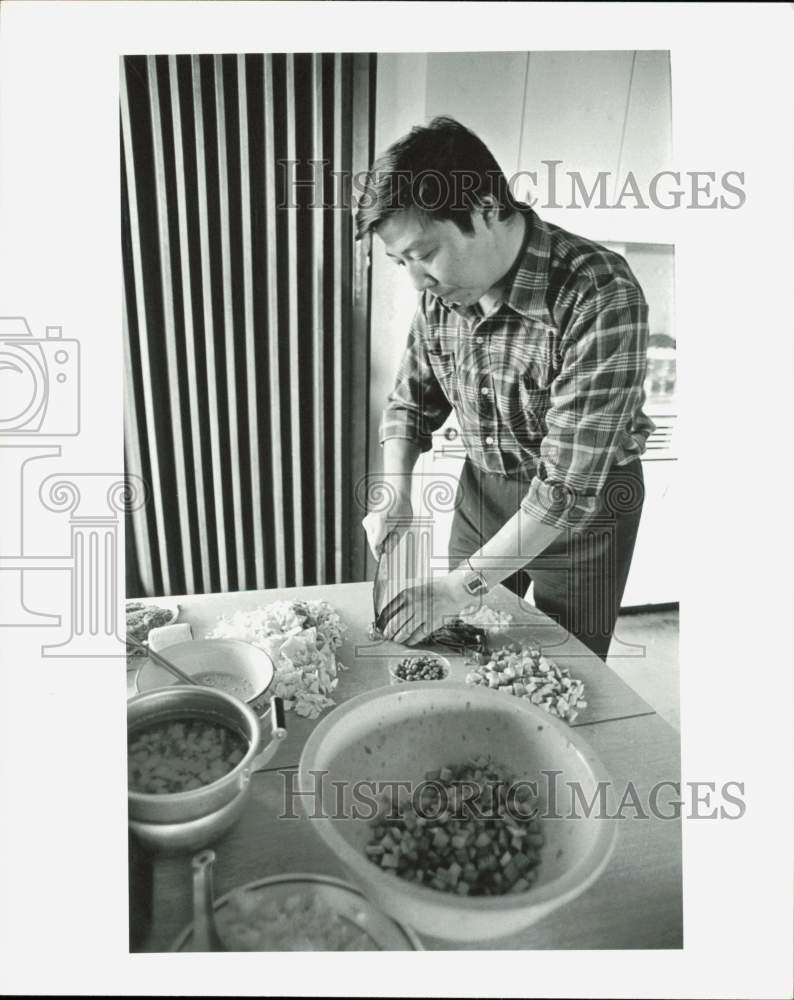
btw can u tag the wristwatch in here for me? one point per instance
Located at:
(475, 582)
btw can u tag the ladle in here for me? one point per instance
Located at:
(159, 659)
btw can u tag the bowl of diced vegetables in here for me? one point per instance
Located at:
(303, 912)
(191, 751)
(418, 667)
(460, 811)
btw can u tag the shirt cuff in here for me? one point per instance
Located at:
(558, 505)
(405, 431)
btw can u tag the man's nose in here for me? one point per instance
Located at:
(420, 278)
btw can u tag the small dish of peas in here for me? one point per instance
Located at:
(418, 667)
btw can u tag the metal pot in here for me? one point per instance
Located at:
(189, 820)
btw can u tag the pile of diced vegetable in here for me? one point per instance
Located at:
(301, 637)
(252, 921)
(464, 833)
(523, 671)
(179, 755)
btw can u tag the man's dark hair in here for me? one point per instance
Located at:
(442, 169)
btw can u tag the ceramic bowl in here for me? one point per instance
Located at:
(245, 670)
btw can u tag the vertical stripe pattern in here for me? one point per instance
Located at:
(207, 316)
(169, 324)
(190, 342)
(136, 316)
(272, 321)
(243, 344)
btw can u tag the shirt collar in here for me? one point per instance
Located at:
(529, 281)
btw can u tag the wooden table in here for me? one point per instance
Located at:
(636, 903)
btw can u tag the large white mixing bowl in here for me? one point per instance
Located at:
(399, 734)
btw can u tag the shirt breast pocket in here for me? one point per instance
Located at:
(531, 363)
(527, 355)
(444, 369)
(533, 357)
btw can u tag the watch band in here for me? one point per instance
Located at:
(476, 583)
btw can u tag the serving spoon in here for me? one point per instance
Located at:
(159, 659)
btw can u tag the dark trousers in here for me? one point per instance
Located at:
(580, 578)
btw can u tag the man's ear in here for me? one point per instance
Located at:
(488, 209)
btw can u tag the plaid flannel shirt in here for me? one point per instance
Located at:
(548, 386)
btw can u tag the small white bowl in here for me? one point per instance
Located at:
(241, 660)
(394, 678)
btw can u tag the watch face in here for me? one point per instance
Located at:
(477, 584)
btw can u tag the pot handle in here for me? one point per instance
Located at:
(278, 730)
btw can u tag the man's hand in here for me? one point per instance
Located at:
(395, 520)
(425, 607)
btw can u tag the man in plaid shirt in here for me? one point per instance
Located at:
(537, 340)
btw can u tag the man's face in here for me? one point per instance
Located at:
(459, 268)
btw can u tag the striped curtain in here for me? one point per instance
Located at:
(245, 318)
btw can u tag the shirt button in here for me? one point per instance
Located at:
(481, 340)
(486, 392)
(489, 440)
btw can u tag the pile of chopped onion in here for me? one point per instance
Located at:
(523, 671)
(300, 637)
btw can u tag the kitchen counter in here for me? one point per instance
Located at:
(636, 903)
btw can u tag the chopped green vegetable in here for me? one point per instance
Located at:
(420, 668)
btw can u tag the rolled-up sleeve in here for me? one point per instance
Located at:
(593, 400)
(417, 405)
